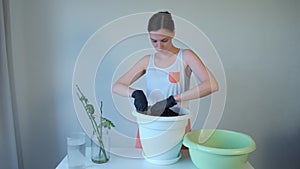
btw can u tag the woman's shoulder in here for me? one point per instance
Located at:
(146, 58)
(189, 54)
(144, 61)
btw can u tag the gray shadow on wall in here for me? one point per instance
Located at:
(283, 148)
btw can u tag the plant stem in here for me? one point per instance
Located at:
(100, 139)
(89, 108)
(101, 144)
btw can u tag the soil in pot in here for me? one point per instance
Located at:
(166, 113)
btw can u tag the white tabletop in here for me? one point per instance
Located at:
(117, 162)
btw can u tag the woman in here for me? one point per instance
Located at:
(167, 72)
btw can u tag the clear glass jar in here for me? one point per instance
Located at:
(100, 146)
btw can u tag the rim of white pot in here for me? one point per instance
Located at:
(183, 115)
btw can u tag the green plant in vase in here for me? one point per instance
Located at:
(102, 155)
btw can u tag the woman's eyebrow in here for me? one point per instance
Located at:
(161, 39)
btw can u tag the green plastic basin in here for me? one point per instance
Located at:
(223, 150)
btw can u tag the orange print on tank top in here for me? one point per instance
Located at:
(174, 77)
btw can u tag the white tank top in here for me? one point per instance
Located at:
(164, 82)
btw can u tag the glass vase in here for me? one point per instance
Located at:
(100, 146)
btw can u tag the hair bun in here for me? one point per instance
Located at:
(165, 12)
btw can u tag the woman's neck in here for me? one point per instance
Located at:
(170, 52)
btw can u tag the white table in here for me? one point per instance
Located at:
(117, 162)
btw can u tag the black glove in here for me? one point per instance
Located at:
(159, 107)
(140, 100)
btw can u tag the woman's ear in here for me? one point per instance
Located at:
(173, 34)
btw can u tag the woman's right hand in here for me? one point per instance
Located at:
(140, 100)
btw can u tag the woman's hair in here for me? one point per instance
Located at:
(161, 20)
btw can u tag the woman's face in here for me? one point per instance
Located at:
(161, 39)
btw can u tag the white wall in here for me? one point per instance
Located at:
(257, 42)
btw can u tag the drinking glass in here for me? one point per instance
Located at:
(76, 150)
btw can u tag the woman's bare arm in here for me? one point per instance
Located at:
(208, 83)
(122, 85)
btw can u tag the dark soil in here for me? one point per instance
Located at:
(165, 113)
(169, 112)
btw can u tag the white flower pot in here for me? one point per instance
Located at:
(161, 137)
